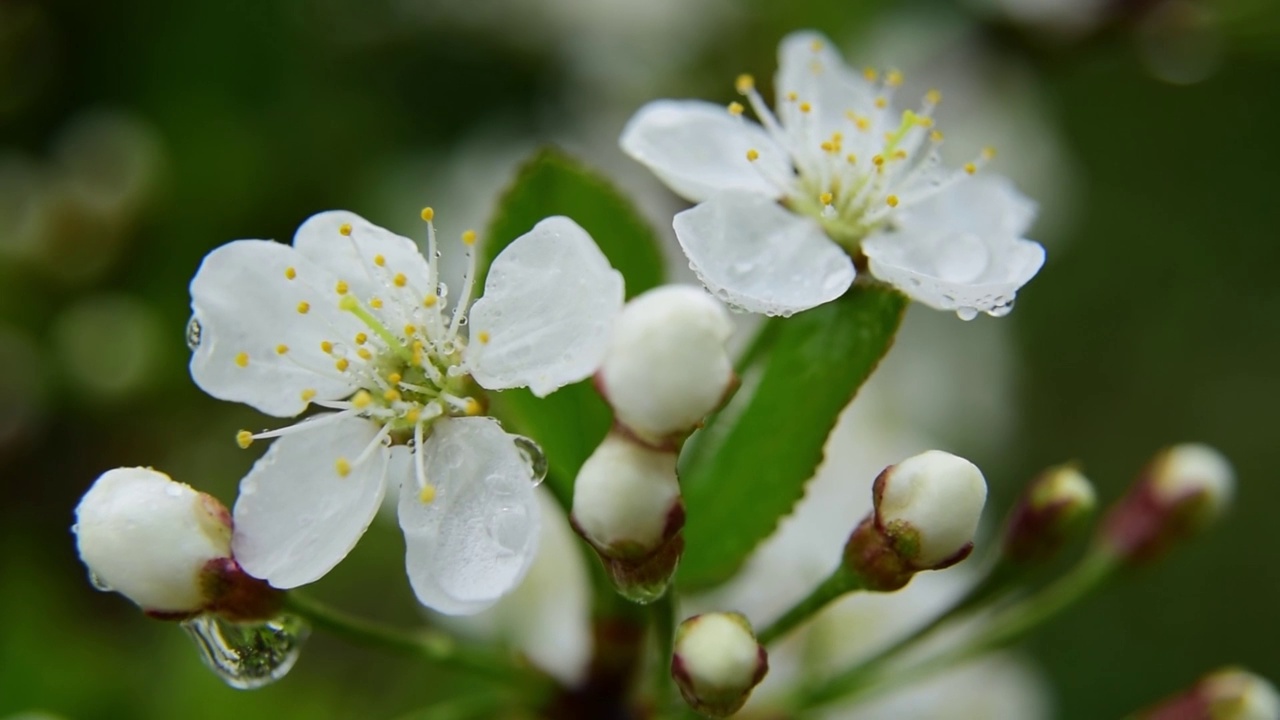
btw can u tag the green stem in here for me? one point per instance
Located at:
(1003, 630)
(838, 583)
(663, 613)
(434, 647)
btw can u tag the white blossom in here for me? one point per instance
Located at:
(831, 174)
(149, 538)
(353, 319)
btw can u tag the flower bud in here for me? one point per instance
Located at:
(164, 546)
(627, 505)
(926, 513)
(666, 368)
(1050, 509)
(1228, 694)
(1182, 490)
(717, 662)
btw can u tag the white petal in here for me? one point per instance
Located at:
(352, 258)
(950, 270)
(476, 538)
(809, 66)
(757, 256)
(296, 516)
(548, 308)
(982, 204)
(698, 149)
(247, 309)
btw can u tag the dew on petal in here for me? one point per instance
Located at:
(961, 258)
(98, 583)
(1002, 308)
(508, 528)
(248, 655)
(966, 313)
(534, 456)
(193, 333)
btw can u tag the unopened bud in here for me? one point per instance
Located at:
(1181, 491)
(926, 513)
(1228, 694)
(1049, 511)
(627, 505)
(166, 547)
(667, 368)
(717, 662)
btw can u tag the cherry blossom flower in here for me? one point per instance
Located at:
(833, 178)
(353, 319)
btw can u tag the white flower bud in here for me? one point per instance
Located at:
(666, 368)
(626, 500)
(150, 538)
(1236, 694)
(1194, 469)
(717, 662)
(1051, 509)
(929, 504)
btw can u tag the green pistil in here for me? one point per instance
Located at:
(351, 305)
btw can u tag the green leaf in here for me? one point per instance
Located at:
(750, 467)
(572, 421)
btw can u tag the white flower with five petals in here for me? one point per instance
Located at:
(353, 319)
(788, 207)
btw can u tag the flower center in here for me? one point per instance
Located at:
(851, 168)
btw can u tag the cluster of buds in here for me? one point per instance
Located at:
(665, 370)
(1228, 694)
(1057, 503)
(927, 509)
(1183, 489)
(167, 548)
(716, 662)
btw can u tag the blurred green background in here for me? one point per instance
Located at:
(137, 135)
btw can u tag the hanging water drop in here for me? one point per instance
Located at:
(193, 333)
(248, 655)
(966, 313)
(98, 583)
(442, 290)
(533, 455)
(1002, 309)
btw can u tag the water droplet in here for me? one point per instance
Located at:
(439, 254)
(966, 313)
(962, 258)
(533, 455)
(98, 583)
(509, 529)
(442, 290)
(193, 333)
(462, 320)
(248, 655)
(1002, 309)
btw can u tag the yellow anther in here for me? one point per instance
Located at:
(341, 288)
(428, 214)
(826, 198)
(893, 78)
(878, 160)
(391, 395)
(924, 122)
(870, 74)
(837, 137)
(933, 97)
(430, 300)
(282, 349)
(881, 103)
(342, 364)
(413, 415)
(888, 137)
(988, 153)
(379, 260)
(483, 337)
(348, 303)
(361, 338)
(805, 107)
(427, 494)
(735, 108)
(410, 330)
(851, 159)
(307, 394)
(290, 273)
(364, 354)
(753, 155)
(792, 96)
(361, 400)
(862, 123)
(304, 307)
(242, 359)
(828, 146)
(375, 303)
(394, 378)
(891, 201)
(473, 407)
(417, 352)
(970, 168)
(816, 46)
(469, 237)
(899, 154)
(744, 84)
(326, 346)
(343, 466)
(244, 439)
(400, 280)
(936, 136)
(345, 229)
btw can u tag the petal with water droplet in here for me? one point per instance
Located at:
(353, 258)
(297, 516)
(548, 308)
(760, 257)
(474, 539)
